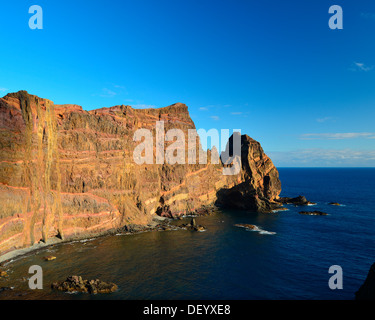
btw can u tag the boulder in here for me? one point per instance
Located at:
(77, 284)
(49, 258)
(367, 290)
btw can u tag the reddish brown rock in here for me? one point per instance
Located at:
(66, 172)
(257, 188)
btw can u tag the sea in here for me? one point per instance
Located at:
(287, 257)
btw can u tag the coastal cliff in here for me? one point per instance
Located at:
(66, 172)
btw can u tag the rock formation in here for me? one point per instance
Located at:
(258, 186)
(298, 201)
(66, 172)
(77, 284)
(367, 290)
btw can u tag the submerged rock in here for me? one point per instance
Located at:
(334, 204)
(247, 226)
(77, 284)
(313, 213)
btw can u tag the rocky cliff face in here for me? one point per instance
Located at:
(66, 172)
(258, 185)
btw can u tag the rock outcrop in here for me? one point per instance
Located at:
(297, 201)
(367, 290)
(313, 213)
(66, 172)
(258, 186)
(77, 284)
(334, 204)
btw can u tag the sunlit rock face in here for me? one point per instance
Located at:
(66, 172)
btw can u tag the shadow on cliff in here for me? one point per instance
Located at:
(257, 186)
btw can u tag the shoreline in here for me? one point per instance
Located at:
(157, 223)
(154, 224)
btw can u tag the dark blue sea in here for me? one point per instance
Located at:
(228, 262)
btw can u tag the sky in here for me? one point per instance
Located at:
(273, 69)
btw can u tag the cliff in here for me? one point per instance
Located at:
(66, 172)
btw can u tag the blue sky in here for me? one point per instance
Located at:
(273, 69)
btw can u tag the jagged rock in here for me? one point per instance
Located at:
(298, 201)
(259, 186)
(193, 223)
(313, 213)
(367, 290)
(77, 284)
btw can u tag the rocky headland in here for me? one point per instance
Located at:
(67, 173)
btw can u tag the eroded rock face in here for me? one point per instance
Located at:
(258, 186)
(66, 172)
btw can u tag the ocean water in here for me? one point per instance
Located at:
(291, 261)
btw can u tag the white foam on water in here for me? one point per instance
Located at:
(257, 229)
(266, 232)
(279, 210)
